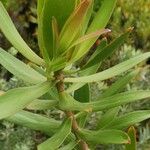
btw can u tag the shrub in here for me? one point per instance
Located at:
(65, 36)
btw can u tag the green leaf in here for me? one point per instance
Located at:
(20, 69)
(129, 119)
(9, 30)
(40, 9)
(111, 72)
(57, 139)
(58, 64)
(69, 103)
(89, 37)
(109, 50)
(37, 68)
(103, 15)
(81, 118)
(83, 94)
(16, 99)
(72, 27)
(104, 136)
(100, 21)
(35, 122)
(120, 84)
(86, 20)
(55, 36)
(53, 93)
(110, 115)
(88, 71)
(61, 10)
(100, 47)
(132, 135)
(39, 104)
(69, 146)
(107, 118)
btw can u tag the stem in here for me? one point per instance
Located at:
(60, 87)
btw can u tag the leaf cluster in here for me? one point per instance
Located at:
(65, 36)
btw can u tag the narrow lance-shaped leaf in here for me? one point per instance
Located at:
(104, 136)
(9, 30)
(120, 84)
(37, 68)
(17, 99)
(57, 139)
(35, 122)
(99, 48)
(46, 10)
(20, 69)
(69, 103)
(72, 28)
(129, 119)
(90, 70)
(110, 115)
(40, 8)
(132, 135)
(84, 25)
(103, 15)
(39, 104)
(100, 21)
(89, 37)
(55, 36)
(69, 146)
(86, 20)
(58, 64)
(111, 72)
(107, 118)
(109, 50)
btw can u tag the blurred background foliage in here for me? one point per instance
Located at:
(128, 13)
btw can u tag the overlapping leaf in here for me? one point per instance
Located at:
(107, 118)
(111, 72)
(69, 103)
(108, 50)
(35, 122)
(90, 70)
(61, 10)
(105, 136)
(100, 21)
(72, 27)
(120, 84)
(110, 115)
(132, 135)
(17, 99)
(9, 30)
(69, 146)
(20, 69)
(57, 139)
(129, 119)
(39, 104)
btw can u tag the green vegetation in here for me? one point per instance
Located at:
(52, 91)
